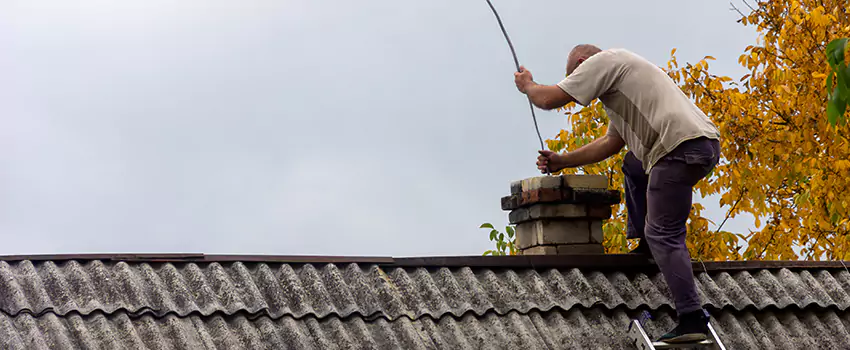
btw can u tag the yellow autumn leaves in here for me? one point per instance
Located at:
(783, 163)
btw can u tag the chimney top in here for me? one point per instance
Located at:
(561, 214)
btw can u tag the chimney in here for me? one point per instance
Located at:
(561, 214)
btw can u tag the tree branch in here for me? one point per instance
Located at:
(729, 213)
(737, 10)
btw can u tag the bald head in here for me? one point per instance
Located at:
(579, 54)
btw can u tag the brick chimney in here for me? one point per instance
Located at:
(561, 214)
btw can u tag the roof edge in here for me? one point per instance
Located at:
(594, 261)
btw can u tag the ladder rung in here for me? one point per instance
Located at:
(662, 345)
(642, 341)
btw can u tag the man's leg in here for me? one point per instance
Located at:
(635, 188)
(669, 199)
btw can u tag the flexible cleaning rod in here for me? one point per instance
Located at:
(516, 62)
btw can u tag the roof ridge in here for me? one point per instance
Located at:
(619, 262)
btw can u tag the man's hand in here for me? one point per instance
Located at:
(523, 79)
(551, 161)
(543, 96)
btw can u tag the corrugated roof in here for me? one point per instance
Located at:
(280, 290)
(441, 303)
(573, 329)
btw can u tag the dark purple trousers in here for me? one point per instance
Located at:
(658, 206)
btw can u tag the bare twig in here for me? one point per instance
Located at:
(729, 213)
(737, 10)
(701, 84)
(769, 242)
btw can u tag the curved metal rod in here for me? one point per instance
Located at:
(516, 62)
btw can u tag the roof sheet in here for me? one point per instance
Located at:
(411, 304)
(278, 290)
(574, 329)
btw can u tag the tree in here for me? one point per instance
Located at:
(786, 155)
(785, 162)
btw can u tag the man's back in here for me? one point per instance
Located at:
(645, 107)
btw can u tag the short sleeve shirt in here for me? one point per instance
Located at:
(644, 106)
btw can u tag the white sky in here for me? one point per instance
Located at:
(294, 127)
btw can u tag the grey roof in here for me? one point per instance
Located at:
(348, 305)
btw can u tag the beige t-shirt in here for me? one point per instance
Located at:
(645, 107)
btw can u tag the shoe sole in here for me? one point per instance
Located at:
(686, 338)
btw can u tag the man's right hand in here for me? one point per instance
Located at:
(551, 161)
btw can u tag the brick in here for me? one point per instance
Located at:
(511, 202)
(516, 187)
(543, 195)
(548, 211)
(589, 196)
(562, 231)
(580, 249)
(596, 234)
(585, 181)
(526, 235)
(538, 182)
(594, 196)
(540, 250)
(519, 215)
(559, 231)
(601, 212)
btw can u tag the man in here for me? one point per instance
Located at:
(672, 146)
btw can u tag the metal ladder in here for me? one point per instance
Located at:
(643, 342)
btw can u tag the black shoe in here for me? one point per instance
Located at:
(692, 328)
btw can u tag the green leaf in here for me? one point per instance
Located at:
(843, 82)
(501, 237)
(846, 74)
(829, 81)
(486, 225)
(493, 235)
(510, 231)
(835, 107)
(835, 52)
(831, 114)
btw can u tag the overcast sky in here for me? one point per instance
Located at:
(294, 127)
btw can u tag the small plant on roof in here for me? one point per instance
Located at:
(503, 247)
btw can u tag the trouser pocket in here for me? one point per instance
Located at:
(701, 155)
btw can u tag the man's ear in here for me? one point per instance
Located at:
(579, 61)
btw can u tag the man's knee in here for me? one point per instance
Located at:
(666, 233)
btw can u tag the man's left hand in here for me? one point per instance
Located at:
(523, 79)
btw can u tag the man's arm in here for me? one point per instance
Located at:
(547, 96)
(543, 96)
(594, 152)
